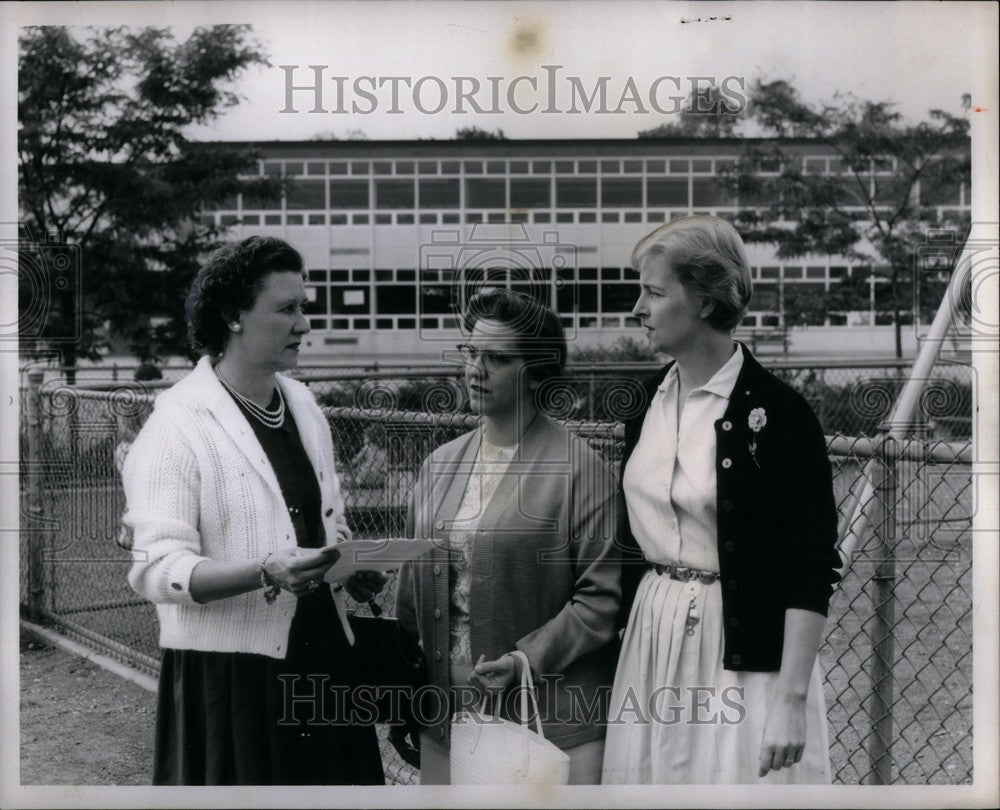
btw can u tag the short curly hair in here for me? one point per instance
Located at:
(539, 332)
(229, 283)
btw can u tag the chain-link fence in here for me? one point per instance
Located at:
(898, 652)
(848, 396)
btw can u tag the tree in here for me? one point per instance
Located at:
(104, 164)
(803, 308)
(477, 134)
(804, 305)
(330, 135)
(889, 185)
(708, 113)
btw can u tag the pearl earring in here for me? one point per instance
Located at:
(237, 327)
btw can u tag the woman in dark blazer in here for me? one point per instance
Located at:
(524, 514)
(727, 525)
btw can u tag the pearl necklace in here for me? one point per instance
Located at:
(271, 419)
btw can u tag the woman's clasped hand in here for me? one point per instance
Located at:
(299, 571)
(501, 673)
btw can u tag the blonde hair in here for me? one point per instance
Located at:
(709, 259)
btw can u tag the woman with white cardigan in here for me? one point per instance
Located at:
(235, 505)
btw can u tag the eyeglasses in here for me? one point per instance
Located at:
(491, 359)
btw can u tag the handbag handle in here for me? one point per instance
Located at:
(528, 689)
(495, 714)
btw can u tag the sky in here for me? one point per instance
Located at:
(917, 54)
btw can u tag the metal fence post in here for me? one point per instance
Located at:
(883, 584)
(823, 407)
(36, 539)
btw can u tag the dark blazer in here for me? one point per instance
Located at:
(777, 518)
(545, 572)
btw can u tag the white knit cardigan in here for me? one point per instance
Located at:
(199, 486)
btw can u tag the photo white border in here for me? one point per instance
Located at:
(981, 58)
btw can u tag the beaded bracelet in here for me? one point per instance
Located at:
(271, 588)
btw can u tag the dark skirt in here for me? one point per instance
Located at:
(229, 719)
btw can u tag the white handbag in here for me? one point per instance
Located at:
(492, 751)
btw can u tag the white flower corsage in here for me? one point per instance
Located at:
(756, 422)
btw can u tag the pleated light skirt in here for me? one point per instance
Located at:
(678, 717)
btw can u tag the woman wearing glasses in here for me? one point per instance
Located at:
(523, 514)
(731, 523)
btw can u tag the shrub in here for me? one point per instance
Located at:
(625, 349)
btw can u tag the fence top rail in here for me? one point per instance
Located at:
(134, 392)
(400, 417)
(786, 363)
(87, 388)
(891, 449)
(347, 363)
(468, 420)
(400, 370)
(838, 446)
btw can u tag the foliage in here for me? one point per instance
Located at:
(476, 134)
(804, 306)
(349, 135)
(859, 408)
(708, 113)
(105, 164)
(890, 185)
(418, 394)
(625, 349)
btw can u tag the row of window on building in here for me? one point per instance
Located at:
(702, 165)
(445, 218)
(585, 297)
(501, 193)
(523, 193)
(365, 218)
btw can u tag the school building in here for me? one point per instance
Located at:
(396, 235)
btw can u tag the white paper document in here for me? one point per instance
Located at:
(375, 555)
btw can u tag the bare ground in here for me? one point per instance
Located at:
(84, 725)
(80, 724)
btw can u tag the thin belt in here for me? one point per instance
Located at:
(683, 573)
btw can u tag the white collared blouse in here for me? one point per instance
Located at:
(670, 481)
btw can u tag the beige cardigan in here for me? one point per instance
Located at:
(199, 486)
(545, 573)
